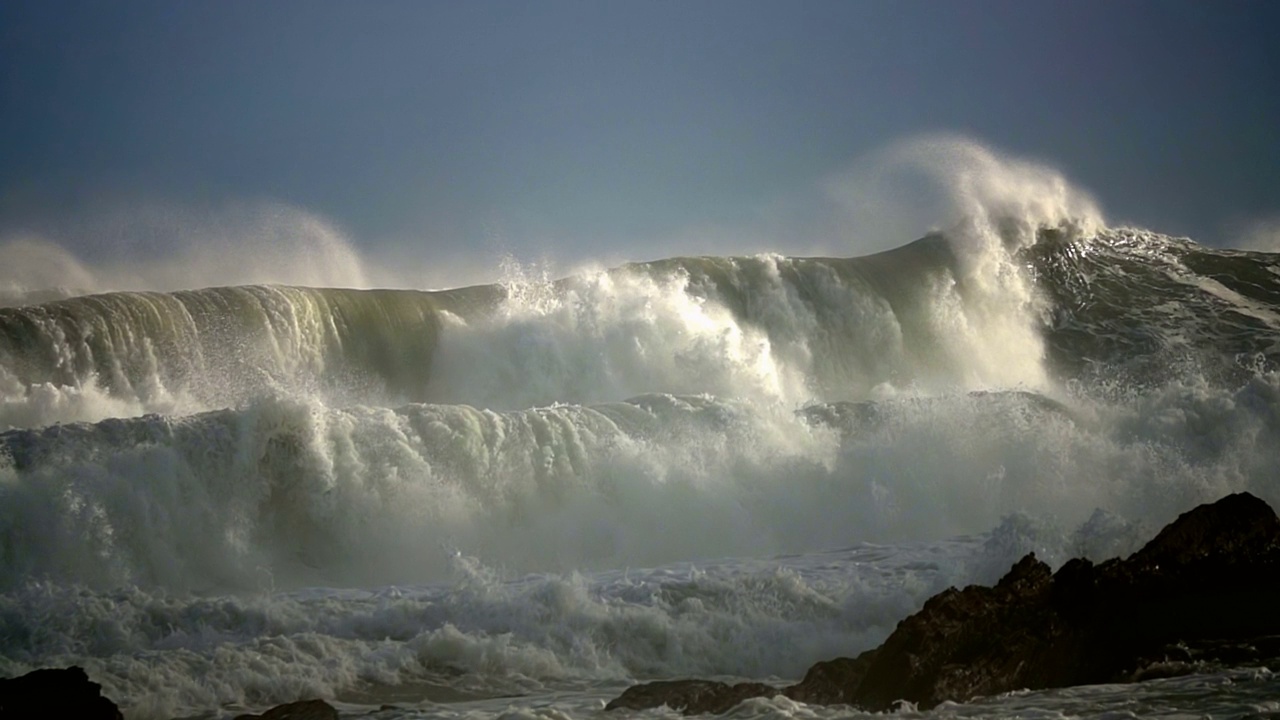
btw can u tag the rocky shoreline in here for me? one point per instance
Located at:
(1203, 593)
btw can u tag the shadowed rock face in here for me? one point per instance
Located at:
(1205, 588)
(55, 693)
(68, 693)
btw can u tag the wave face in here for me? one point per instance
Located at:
(1152, 308)
(96, 356)
(466, 420)
(929, 413)
(788, 329)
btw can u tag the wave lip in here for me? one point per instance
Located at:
(789, 329)
(934, 316)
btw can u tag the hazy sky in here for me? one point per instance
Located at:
(578, 127)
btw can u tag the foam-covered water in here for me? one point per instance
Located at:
(516, 499)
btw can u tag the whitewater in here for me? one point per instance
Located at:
(514, 500)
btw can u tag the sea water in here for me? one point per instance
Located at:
(516, 500)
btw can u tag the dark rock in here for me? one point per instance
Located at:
(1201, 594)
(1211, 578)
(301, 710)
(1238, 528)
(831, 682)
(692, 697)
(968, 642)
(52, 692)
(827, 683)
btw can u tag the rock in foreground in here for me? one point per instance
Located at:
(55, 693)
(1203, 589)
(68, 693)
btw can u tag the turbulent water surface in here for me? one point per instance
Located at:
(514, 500)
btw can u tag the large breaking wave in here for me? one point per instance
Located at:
(791, 329)
(741, 405)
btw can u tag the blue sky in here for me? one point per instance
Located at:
(576, 128)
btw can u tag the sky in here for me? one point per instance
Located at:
(452, 132)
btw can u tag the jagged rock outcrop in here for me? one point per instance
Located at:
(1204, 590)
(969, 642)
(55, 693)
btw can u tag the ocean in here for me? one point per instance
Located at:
(515, 500)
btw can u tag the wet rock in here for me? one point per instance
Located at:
(52, 692)
(302, 710)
